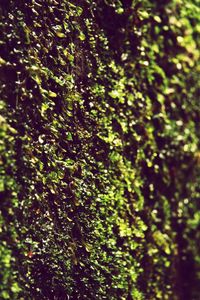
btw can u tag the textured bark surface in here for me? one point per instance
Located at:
(99, 149)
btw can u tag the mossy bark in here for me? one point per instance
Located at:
(99, 149)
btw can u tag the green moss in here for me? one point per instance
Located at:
(100, 150)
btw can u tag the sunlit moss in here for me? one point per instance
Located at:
(99, 149)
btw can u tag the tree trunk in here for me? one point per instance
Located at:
(99, 149)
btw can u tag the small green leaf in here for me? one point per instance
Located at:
(15, 288)
(69, 136)
(114, 94)
(81, 36)
(60, 34)
(5, 295)
(2, 61)
(52, 94)
(79, 10)
(44, 107)
(157, 19)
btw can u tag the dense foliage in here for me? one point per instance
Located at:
(99, 149)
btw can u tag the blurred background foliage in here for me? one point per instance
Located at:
(99, 149)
